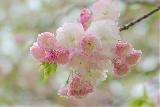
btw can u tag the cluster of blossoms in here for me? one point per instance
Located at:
(90, 46)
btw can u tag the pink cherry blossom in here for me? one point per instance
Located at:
(89, 43)
(51, 56)
(85, 17)
(90, 46)
(120, 67)
(133, 56)
(62, 56)
(47, 40)
(79, 61)
(102, 61)
(78, 86)
(105, 9)
(121, 48)
(37, 52)
(106, 30)
(125, 56)
(93, 75)
(69, 34)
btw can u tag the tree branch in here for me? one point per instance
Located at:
(127, 26)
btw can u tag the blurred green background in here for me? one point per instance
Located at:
(22, 20)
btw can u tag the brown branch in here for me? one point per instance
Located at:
(127, 26)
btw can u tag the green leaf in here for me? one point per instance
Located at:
(143, 101)
(46, 69)
(137, 102)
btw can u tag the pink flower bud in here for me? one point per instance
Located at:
(85, 17)
(62, 56)
(89, 43)
(46, 40)
(119, 67)
(121, 48)
(37, 52)
(133, 56)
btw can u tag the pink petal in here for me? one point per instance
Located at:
(133, 57)
(85, 17)
(47, 40)
(121, 48)
(37, 52)
(119, 67)
(62, 56)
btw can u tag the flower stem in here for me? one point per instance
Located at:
(70, 73)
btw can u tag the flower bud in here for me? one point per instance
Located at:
(85, 17)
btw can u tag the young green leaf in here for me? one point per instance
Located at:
(143, 101)
(46, 69)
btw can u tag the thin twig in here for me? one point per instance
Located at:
(127, 26)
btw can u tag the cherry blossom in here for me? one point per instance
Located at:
(107, 31)
(121, 48)
(124, 57)
(133, 57)
(85, 18)
(79, 61)
(69, 34)
(91, 46)
(105, 9)
(77, 87)
(62, 56)
(89, 43)
(51, 56)
(119, 66)
(46, 40)
(37, 52)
